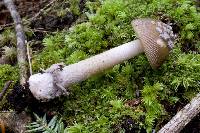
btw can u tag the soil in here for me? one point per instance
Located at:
(26, 8)
(21, 99)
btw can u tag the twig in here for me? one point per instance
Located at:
(43, 31)
(25, 22)
(42, 10)
(29, 60)
(5, 88)
(30, 19)
(21, 46)
(6, 25)
(183, 117)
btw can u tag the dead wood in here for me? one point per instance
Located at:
(183, 117)
(21, 46)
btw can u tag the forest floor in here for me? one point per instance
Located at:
(46, 23)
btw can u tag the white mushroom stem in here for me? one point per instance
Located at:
(49, 85)
(86, 68)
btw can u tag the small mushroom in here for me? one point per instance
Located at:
(155, 39)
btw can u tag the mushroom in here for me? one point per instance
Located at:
(155, 39)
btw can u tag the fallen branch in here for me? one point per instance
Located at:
(5, 89)
(183, 117)
(21, 46)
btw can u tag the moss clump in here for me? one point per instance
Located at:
(52, 53)
(7, 73)
(98, 104)
(7, 37)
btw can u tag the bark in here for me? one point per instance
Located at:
(183, 117)
(21, 46)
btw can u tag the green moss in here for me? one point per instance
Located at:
(7, 73)
(7, 37)
(154, 109)
(98, 104)
(74, 6)
(52, 53)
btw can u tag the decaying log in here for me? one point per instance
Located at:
(21, 46)
(183, 117)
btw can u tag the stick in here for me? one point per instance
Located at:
(5, 88)
(6, 25)
(29, 60)
(183, 117)
(42, 10)
(21, 46)
(30, 19)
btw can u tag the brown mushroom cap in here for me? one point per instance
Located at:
(156, 37)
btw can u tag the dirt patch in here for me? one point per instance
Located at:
(21, 99)
(26, 8)
(52, 22)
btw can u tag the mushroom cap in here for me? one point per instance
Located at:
(157, 39)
